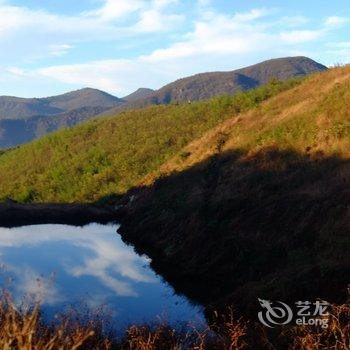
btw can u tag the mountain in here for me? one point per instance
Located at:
(18, 131)
(22, 120)
(203, 86)
(138, 94)
(82, 98)
(248, 194)
(23, 108)
(206, 85)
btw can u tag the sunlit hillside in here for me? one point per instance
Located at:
(110, 155)
(313, 119)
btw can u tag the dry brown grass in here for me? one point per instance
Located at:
(336, 336)
(313, 104)
(22, 329)
(238, 334)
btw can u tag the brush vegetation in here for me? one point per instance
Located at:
(22, 328)
(110, 155)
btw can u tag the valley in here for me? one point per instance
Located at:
(233, 199)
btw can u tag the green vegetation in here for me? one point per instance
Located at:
(111, 155)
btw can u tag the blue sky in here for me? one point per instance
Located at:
(50, 47)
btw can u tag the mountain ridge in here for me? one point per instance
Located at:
(22, 120)
(206, 85)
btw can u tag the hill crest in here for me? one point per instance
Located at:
(22, 120)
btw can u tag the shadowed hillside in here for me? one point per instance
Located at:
(270, 224)
(258, 207)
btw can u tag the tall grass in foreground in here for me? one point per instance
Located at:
(23, 329)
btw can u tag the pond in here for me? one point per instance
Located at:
(64, 266)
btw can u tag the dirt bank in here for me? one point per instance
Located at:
(14, 214)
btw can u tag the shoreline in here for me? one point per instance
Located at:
(16, 214)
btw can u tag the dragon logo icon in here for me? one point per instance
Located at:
(274, 315)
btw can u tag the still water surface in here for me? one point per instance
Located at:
(66, 266)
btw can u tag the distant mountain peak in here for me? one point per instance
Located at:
(24, 108)
(89, 90)
(206, 85)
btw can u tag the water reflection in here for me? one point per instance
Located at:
(62, 265)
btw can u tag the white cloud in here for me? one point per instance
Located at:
(103, 20)
(218, 41)
(339, 51)
(250, 15)
(301, 36)
(34, 31)
(204, 3)
(60, 50)
(13, 18)
(336, 21)
(153, 20)
(16, 71)
(36, 288)
(116, 76)
(215, 37)
(108, 259)
(164, 3)
(219, 34)
(341, 45)
(293, 21)
(114, 9)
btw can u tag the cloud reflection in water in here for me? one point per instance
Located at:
(64, 265)
(105, 256)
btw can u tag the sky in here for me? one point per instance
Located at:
(51, 47)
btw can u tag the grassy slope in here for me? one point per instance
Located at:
(111, 155)
(314, 116)
(263, 198)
